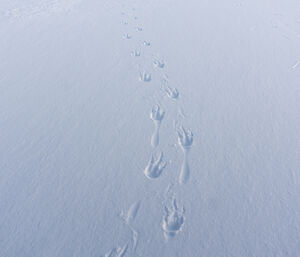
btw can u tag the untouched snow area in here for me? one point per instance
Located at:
(149, 128)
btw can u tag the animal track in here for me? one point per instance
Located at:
(132, 212)
(129, 218)
(136, 53)
(158, 64)
(296, 65)
(155, 167)
(172, 92)
(127, 36)
(117, 252)
(173, 220)
(146, 43)
(185, 139)
(144, 76)
(185, 171)
(157, 115)
(139, 29)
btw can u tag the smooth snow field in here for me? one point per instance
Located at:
(149, 128)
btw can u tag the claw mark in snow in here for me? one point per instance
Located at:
(144, 76)
(172, 92)
(185, 140)
(157, 115)
(173, 220)
(155, 167)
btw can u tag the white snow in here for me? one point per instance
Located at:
(134, 128)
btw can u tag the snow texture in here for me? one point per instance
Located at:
(215, 169)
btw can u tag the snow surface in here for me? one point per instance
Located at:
(149, 128)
